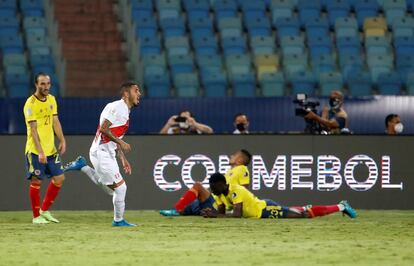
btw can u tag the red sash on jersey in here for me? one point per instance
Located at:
(118, 131)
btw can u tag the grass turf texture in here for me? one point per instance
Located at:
(86, 238)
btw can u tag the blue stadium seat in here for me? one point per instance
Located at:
(149, 45)
(319, 45)
(141, 8)
(11, 44)
(157, 85)
(9, 26)
(322, 64)
(318, 26)
(14, 59)
(309, 9)
(230, 27)
(244, 85)
(145, 27)
(168, 8)
(186, 84)
(377, 45)
(272, 84)
(394, 9)
(206, 45)
(258, 26)
(410, 84)
(379, 64)
(173, 27)
(200, 27)
(337, 9)
(410, 5)
(154, 64)
(15, 69)
(17, 84)
(177, 45)
(389, 83)
(262, 45)
(251, 9)
(303, 82)
(238, 64)
(349, 45)
(281, 9)
(36, 41)
(181, 64)
(404, 45)
(234, 45)
(350, 64)
(225, 9)
(405, 65)
(403, 27)
(287, 26)
(365, 9)
(210, 63)
(293, 63)
(360, 84)
(346, 27)
(32, 8)
(330, 81)
(292, 45)
(196, 8)
(215, 84)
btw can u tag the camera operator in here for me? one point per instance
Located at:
(241, 124)
(185, 123)
(334, 119)
(393, 125)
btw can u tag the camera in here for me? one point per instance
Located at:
(181, 119)
(303, 107)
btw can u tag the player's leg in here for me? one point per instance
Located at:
(322, 210)
(197, 191)
(54, 169)
(35, 172)
(108, 170)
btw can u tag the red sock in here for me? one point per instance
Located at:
(34, 194)
(322, 210)
(51, 194)
(186, 199)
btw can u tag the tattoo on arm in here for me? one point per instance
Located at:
(107, 132)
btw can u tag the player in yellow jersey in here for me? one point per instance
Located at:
(42, 157)
(198, 197)
(247, 205)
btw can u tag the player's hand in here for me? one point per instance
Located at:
(42, 158)
(62, 147)
(125, 147)
(127, 167)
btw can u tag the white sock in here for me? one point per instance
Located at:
(341, 207)
(118, 200)
(93, 175)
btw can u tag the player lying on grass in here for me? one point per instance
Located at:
(247, 205)
(198, 197)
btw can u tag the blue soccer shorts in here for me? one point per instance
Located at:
(274, 210)
(53, 167)
(196, 206)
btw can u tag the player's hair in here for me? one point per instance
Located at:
(36, 77)
(216, 178)
(247, 156)
(389, 118)
(183, 111)
(240, 114)
(126, 86)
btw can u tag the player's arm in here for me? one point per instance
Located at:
(105, 129)
(36, 140)
(237, 212)
(124, 161)
(57, 127)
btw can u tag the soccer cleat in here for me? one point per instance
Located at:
(40, 220)
(348, 210)
(75, 165)
(123, 223)
(171, 212)
(48, 216)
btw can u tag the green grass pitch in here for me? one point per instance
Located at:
(86, 238)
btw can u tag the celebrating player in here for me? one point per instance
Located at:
(42, 158)
(198, 197)
(245, 204)
(113, 124)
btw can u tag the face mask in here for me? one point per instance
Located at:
(334, 103)
(241, 127)
(399, 128)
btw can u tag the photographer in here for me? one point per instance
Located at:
(334, 119)
(185, 123)
(241, 124)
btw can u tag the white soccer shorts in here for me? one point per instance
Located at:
(106, 166)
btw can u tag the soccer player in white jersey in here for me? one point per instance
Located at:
(108, 144)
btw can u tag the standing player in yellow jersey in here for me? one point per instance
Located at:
(42, 158)
(198, 197)
(247, 205)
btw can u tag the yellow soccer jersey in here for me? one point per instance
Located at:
(238, 175)
(252, 206)
(42, 112)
